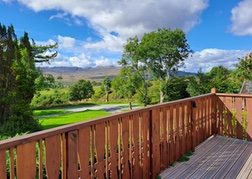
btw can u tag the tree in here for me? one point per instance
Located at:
(244, 68)
(164, 51)
(199, 84)
(81, 90)
(125, 85)
(17, 80)
(157, 54)
(132, 61)
(220, 79)
(176, 89)
(43, 82)
(106, 87)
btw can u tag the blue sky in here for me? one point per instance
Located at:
(92, 32)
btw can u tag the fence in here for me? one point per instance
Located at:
(135, 144)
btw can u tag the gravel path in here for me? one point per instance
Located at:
(112, 108)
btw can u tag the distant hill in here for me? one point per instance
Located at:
(73, 74)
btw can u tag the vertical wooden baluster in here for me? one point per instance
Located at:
(52, 156)
(178, 154)
(92, 148)
(64, 156)
(113, 138)
(173, 135)
(131, 145)
(12, 167)
(182, 127)
(146, 144)
(170, 135)
(100, 146)
(137, 147)
(165, 139)
(3, 164)
(193, 124)
(119, 165)
(40, 155)
(155, 142)
(26, 160)
(249, 118)
(106, 160)
(238, 109)
(204, 121)
(125, 147)
(84, 151)
(72, 162)
(207, 117)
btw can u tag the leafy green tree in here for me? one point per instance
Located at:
(106, 87)
(176, 89)
(126, 85)
(220, 78)
(17, 80)
(132, 61)
(244, 68)
(43, 82)
(164, 51)
(81, 90)
(199, 84)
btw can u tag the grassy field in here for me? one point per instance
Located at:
(38, 113)
(64, 119)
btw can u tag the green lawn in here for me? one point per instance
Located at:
(61, 120)
(48, 112)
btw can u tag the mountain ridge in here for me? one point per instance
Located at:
(73, 74)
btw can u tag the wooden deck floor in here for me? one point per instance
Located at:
(217, 157)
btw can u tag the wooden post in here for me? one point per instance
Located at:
(213, 90)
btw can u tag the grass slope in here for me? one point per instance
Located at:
(55, 121)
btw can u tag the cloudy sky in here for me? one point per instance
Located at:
(92, 32)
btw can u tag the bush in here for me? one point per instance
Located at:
(81, 90)
(52, 97)
(18, 125)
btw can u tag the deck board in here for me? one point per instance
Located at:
(217, 157)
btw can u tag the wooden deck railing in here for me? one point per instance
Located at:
(234, 115)
(136, 144)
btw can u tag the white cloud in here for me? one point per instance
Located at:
(127, 18)
(241, 18)
(68, 19)
(59, 16)
(82, 60)
(209, 58)
(106, 62)
(66, 42)
(110, 43)
(48, 42)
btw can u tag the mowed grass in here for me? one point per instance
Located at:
(37, 113)
(55, 121)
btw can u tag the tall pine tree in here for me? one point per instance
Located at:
(17, 80)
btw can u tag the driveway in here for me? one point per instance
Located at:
(111, 108)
